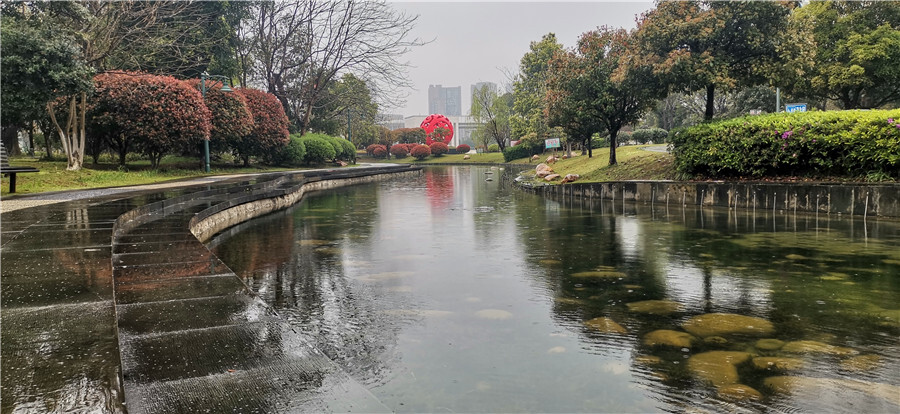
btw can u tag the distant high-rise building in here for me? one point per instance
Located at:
(445, 101)
(479, 85)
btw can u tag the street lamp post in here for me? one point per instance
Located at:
(203, 77)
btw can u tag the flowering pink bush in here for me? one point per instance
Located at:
(463, 148)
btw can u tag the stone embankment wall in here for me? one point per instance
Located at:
(831, 198)
(215, 219)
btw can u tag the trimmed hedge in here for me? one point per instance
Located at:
(843, 143)
(493, 148)
(643, 136)
(522, 150)
(463, 148)
(291, 155)
(318, 149)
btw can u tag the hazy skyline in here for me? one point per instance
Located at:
(474, 42)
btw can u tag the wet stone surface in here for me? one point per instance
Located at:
(153, 306)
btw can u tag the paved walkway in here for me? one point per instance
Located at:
(100, 319)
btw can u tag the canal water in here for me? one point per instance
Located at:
(449, 292)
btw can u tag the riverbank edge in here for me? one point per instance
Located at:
(859, 199)
(207, 223)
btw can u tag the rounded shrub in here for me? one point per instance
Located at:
(156, 115)
(349, 150)
(379, 151)
(439, 148)
(293, 154)
(318, 149)
(420, 152)
(463, 148)
(399, 150)
(370, 149)
(270, 125)
(493, 148)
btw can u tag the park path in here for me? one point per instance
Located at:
(147, 320)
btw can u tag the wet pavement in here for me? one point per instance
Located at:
(106, 312)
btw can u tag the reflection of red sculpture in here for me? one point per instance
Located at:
(437, 121)
(439, 188)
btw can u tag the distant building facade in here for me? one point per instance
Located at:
(390, 121)
(446, 101)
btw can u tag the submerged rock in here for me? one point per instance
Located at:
(816, 347)
(861, 363)
(768, 344)
(839, 391)
(648, 360)
(778, 363)
(739, 392)
(717, 367)
(712, 324)
(496, 314)
(605, 325)
(655, 307)
(715, 340)
(600, 273)
(666, 337)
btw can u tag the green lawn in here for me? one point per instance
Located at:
(54, 176)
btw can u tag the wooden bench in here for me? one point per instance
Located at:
(11, 171)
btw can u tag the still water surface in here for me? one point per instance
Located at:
(449, 293)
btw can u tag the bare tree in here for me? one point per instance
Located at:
(299, 47)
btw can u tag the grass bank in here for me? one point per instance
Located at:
(634, 163)
(54, 176)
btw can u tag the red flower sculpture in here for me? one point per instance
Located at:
(433, 122)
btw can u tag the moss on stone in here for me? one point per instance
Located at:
(655, 307)
(739, 392)
(861, 363)
(600, 274)
(718, 368)
(713, 324)
(605, 325)
(666, 337)
(778, 363)
(816, 347)
(769, 344)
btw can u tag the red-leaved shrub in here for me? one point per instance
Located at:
(231, 119)
(463, 148)
(439, 148)
(270, 129)
(420, 152)
(399, 150)
(152, 114)
(380, 151)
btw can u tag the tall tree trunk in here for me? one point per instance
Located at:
(590, 147)
(10, 138)
(31, 138)
(613, 133)
(710, 101)
(73, 136)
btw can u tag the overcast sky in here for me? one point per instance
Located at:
(475, 42)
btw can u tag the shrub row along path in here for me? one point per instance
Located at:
(148, 320)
